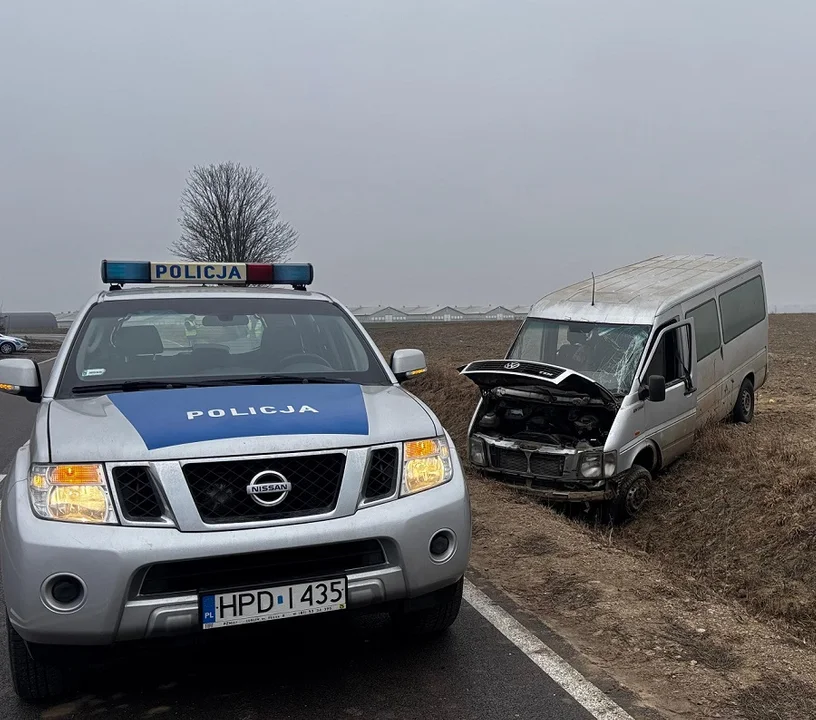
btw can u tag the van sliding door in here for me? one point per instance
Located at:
(709, 378)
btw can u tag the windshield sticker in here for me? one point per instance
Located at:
(164, 418)
(93, 372)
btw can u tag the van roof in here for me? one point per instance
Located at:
(639, 292)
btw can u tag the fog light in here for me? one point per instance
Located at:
(66, 590)
(63, 593)
(439, 544)
(442, 546)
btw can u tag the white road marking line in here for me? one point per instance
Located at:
(572, 682)
(42, 362)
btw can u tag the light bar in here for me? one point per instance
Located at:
(194, 273)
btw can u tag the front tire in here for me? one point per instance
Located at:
(433, 620)
(7, 348)
(744, 407)
(632, 494)
(34, 681)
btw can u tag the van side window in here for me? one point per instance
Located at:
(669, 357)
(741, 308)
(706, 328)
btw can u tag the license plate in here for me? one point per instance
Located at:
(242, 607)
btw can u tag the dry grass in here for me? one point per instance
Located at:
(447, 347)
(674, 604)
(764, 700)
(738, 512)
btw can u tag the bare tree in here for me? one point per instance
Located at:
(229, 213)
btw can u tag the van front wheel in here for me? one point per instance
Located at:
(744, 408)
(632, 494)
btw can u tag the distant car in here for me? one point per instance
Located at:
(10, 344)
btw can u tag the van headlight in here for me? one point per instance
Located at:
(71, 493)
(598, 464)
(478, 456)
(591, 465)
(426, 464)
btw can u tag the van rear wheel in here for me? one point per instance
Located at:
(744, 408)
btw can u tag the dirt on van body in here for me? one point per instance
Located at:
(705, 606)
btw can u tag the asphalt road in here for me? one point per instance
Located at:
(324, 667)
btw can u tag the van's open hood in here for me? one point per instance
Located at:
(488, 374)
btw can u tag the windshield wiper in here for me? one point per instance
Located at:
(129, 386)
(276, 380)
(135, 385)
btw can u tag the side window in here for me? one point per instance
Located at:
(671, 356)
(658, 364)
(741, 308)
(706, 328)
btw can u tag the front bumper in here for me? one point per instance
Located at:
(112, 560)
(514, 465)
(552, 489)
(556, 489)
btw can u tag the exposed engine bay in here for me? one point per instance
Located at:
(530, 416)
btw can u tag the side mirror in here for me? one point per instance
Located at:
(657, 388)
(407, 364)
(21, 377)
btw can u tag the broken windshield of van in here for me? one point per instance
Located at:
(605, 353)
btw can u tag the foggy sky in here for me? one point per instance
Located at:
(428, 152)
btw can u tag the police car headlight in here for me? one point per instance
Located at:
(71, 493)
(426, 464)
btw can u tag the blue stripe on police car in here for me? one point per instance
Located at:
(175, 417)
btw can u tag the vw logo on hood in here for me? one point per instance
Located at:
(512, 366)
(269, 488)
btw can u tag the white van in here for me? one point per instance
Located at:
(608, 379)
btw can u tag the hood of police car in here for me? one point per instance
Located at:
(223, 421)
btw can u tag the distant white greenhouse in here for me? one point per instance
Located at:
(438, 313)
(413, 313)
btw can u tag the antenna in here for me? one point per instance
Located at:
(593, 289)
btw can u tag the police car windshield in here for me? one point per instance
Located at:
(216, 340)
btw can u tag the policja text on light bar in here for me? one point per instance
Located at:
(230, 273)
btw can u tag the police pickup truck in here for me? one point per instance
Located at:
(269, 466)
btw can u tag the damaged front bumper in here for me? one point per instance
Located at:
(548, 472)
